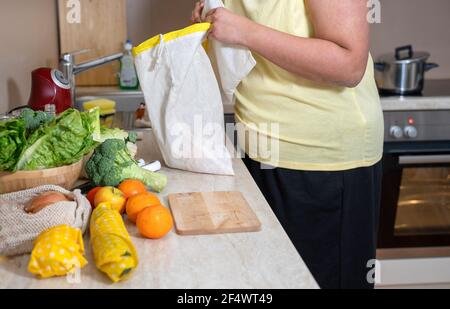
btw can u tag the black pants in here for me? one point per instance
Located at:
(331, 217)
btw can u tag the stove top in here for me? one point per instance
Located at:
(419, 118)
(432, 88)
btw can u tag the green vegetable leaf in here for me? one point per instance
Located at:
(107, 133)
(63, 141)
(12, 143)
(132, 137)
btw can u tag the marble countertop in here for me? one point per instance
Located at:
(435, 96)
(262, 260)
(415, 103)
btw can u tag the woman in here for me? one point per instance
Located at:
(314, 78)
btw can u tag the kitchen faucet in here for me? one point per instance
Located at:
(70, 69)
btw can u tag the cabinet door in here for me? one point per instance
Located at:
(100, 27)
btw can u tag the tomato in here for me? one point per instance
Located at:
(91, 195)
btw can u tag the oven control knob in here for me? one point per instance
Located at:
(411, 132)
(396, 132)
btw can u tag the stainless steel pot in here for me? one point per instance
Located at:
(403, 73)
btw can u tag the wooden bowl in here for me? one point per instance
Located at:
(65, 176)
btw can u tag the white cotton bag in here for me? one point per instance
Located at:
(184, 100)
(231, 63)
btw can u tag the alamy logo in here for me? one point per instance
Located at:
(74, 13)
(374, 274)
(374, 14)
(198, 140)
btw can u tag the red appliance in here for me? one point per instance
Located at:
(49, 86)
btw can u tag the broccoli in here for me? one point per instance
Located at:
(34, 119)
(132, 137)
(112, 163)
(129, 138)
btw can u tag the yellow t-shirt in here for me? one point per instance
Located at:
(321, 128)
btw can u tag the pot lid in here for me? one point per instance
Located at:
(405, 55)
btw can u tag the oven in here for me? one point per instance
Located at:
(415, 203)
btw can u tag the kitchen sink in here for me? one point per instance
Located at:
(127, 102)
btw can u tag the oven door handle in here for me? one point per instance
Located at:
(434, 159)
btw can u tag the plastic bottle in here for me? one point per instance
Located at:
(128, 77)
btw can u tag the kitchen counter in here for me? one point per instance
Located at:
(415, 103)
(266, 259)
(436, 96)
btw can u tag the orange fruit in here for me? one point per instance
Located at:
(91, 196)
(131, 187)
(139, 202)
(154, 222)
(111, 195)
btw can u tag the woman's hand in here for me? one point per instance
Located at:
(198, 11)
(226, 27)
(337, 55)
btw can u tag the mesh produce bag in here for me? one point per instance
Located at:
(18, 229)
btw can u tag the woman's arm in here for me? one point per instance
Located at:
(337, 55)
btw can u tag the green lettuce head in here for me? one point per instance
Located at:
(64, 141)
(12, 143)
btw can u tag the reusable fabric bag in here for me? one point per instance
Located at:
(231, 63)
(184, 100)
(58, 251)
(114, 253)
(18, 229)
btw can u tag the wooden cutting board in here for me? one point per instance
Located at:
(102, 29)
(212, 213)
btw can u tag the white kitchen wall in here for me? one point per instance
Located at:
(28, 30)
(423, 23)
(28, 33)
(147, 18)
